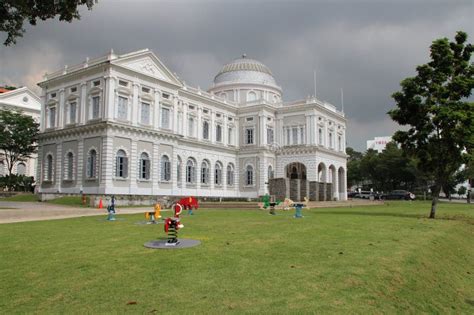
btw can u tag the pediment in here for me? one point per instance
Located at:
(147, 63)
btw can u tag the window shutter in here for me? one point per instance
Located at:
(125, 167)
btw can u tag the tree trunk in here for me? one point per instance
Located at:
(434, 201)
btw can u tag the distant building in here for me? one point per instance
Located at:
(378, 144)
(26, 101)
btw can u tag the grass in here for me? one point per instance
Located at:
(21, 198)
(381, 259)
(74, 201)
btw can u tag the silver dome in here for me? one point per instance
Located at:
(246, 71)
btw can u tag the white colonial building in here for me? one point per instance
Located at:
(126, 125)
(27, 102)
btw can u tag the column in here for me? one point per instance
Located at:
(308, 130)
(262, 127)
(61, 109)
(199, 123)
(80, 163)
(43, 118)
(133, 166)
(106, 174)
(156, 110)
(185, 120)
(155, 166)
(174, 127)
(225, 131)
(134, 107)
(212, 127)
(83, 106)
(110, 97)
(174, 171)
(58, 167)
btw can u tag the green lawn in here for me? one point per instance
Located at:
(383, 259)
(21, 198)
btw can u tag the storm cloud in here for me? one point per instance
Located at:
(364, 47)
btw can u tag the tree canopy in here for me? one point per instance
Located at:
(433, 105)
(18, 136)
(14, 13)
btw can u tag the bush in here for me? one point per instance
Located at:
(17, 183)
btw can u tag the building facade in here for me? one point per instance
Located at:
(378, 144)
(27, 102)
(126, 125)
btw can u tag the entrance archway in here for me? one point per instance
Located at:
(296, 179)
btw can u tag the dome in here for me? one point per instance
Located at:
(245, 71)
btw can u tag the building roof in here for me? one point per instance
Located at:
(245, 71)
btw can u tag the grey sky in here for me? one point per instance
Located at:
(364, 47)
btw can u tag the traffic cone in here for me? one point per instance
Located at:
(100, 204)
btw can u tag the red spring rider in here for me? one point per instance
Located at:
(189, 203)
(172, 225)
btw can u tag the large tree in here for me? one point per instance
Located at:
(13, 14)
(439, 118)
(18, 136)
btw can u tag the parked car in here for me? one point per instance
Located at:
(365, 194)
(399, 195)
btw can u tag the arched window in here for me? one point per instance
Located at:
(205, 130)
(91, 170)
(121, 164)
(249, 175)
(69, 166)
(230, 175)
(270, 172)
(144, 166)
(251, 96)
(190, 171)
(178, 170)
(219, 133)
(205, 172)
(218, 174)
(165, 168)
(21, 168)
(48, 168)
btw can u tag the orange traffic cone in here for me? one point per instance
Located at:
(100, 204)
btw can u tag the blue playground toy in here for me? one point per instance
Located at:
(111, 210)
(298, 208)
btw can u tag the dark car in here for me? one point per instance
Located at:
(399, 195)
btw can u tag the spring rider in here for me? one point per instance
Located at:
(172, 225)
(152, 216)
(111, 210)
(189, 203)
(268, 203)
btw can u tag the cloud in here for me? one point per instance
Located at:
(365, 47)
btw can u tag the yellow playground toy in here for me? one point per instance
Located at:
(154, 215)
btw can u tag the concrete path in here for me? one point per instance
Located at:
(36, 211)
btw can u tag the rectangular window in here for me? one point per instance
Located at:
(122, 110)
(230, 136)
(52, 117)
(249, 136)
(294, 133)
(96, 83)
(72, 112)
(73, 89)
(288, 136)
(219, 133)
(145, 114)
(165, 118)
(191, 127)
(95, 107)
(249, 119)
(123, 83)
(320, 136)
(166, 96)
(270, 136)
(302, 135)
(145, 90)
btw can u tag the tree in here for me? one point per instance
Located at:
(433, 105)
(354, 176)
(18, 136)
(13, 14)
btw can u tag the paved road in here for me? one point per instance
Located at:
(36, 211)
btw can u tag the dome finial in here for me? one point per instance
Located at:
(244, 56)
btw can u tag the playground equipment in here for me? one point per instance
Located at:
(152, 216)
(111, 209)
(189, 203)
(172, 225)
(298, 207)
